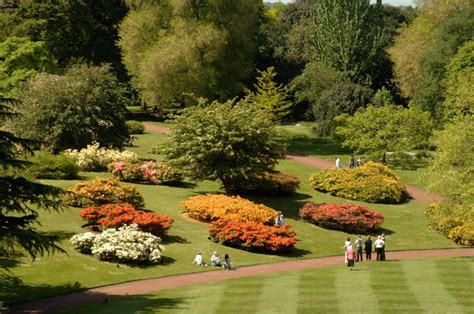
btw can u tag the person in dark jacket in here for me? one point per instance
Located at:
(368, 249)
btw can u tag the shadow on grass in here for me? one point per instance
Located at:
(167, 239)
(60, 235)
(289, 206)
(297, 253)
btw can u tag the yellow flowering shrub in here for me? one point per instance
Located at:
(211, 207)
(102, 191)
(372, 182)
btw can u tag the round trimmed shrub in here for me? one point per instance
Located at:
(345, 217)
(100, 192)
(152, 172)
(372, 182)
(267, 184)
(211, 207)
(252, 236)
(135, 127)
(56, 167)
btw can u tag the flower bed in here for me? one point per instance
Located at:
(117, 215)
(345, 217)
(124, 245)
(252, 236)
(96, 158)
(267, 184)
(152, 172)
(100, 192)
(211, 207)
(372, 182)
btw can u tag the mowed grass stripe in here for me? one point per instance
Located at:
(242, 295)
(424, 282)
(352, 286)
(317, 291)
(283, 289)
(390, 289)
(457, 278)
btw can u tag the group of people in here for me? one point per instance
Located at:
(353, 163)
(351, 256)
(215, 261)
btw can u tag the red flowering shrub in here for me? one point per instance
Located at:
(116, 215)
(346, 217)
(252, 236)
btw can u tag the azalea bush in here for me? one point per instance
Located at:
(252, 236)
(102, 191)
(345, 217)
(211, 207)
(454, 221)
(153, 172)
(372, 182)
(96, 158)
(123, 245)
(267, 184)
(117, 215)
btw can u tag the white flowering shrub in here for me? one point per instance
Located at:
(125, 245)
(83, 242)
(96, 158)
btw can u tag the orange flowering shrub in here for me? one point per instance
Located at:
(346, 217)
(267, 184)
(211, 207)
(102, 191)
(372, 182)
(117, 215)
(252, 236)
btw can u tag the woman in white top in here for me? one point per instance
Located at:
(346, 245)
(379, 246)
(198, 260)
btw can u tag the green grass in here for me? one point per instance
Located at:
(442, 285)
(405, 226)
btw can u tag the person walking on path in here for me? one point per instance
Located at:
(350, 257)
(338, 163)
(379, 244)
(358, 244)
(352, 162)
(368, 249)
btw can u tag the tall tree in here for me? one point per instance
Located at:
(22, 200)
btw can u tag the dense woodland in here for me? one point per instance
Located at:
(376, 77)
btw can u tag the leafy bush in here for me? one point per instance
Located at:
(454, 221)
(372, 182)
(150, 172)
(346, 217)
(96, 158)
(124, 245)
(211, 207)
(49, 166)
(100, 192)
(117, 215)
(267, 184)
(135, 127)
(252, 236)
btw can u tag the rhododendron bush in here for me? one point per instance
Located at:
(124, 245)
(215, 206)
(267, 184)
(117, 215)
(252, 236)
(371, 182)
(96, 158)
(102, 191)
(346, 217)
(154, 172)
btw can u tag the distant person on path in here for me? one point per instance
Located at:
(216, 260)
(280, 220)
(368, 249)
(352, 162)
(198, 260)
(228, 262)
(347, 243)
(379, 244)
(382, 236)
(358, 244)
(338, 163)
(350, 257)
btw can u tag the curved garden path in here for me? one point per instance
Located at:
(415, 192)
(100, 294)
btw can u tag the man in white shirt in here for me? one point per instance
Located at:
(338, 163)
(379, 246)
(198, 260)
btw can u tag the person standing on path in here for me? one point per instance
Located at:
(382, 236)
(358, 244)
(368, 249)
(352, 162)
(350, 257)
(379, 244)
(347, 243)
(338, 163)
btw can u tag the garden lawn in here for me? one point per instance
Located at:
(442, 285)
(405, 226)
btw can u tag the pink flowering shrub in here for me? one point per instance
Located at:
(153, 172)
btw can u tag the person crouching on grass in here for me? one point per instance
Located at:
(350, 257)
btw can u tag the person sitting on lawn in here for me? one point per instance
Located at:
(198, 260)
(228, 262)
(216, 260)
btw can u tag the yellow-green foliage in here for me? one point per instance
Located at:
(454, 221)
(372, 182)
